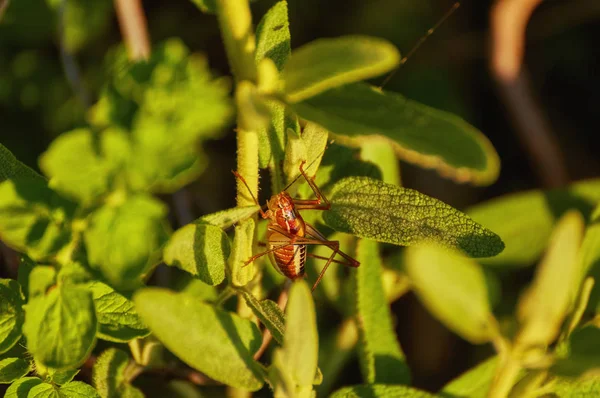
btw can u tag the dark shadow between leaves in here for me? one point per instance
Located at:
(391, 370)
(560, 201)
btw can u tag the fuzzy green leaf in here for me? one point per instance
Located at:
(269, 314)
(381, 358)
(200, 249)
(11, 313)
(380, 391)
(44, 390)
(453, 288)
(123, 240)
(576, 388)
(61, 326)
(374, 210)
(419, 134)
(33, 218)
(41, 278)
(206, 6)
(84, 180)
(301, 340)
(327, 63)
(240, 272)
(309, 148)
(474, 383)
(77, 389)
(117, 318)
(545, 304)
(22, 387)
(11, 168)
(524, 220)
(109, 375)
(61, 377)
(12, 369)
(226, 218)
(379, 152)
(223, 343)
(583, 353)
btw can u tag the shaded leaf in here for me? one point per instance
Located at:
(327, 63)
(576, 388)
(453, 288)
(223, 343)
(269, 314)
(380, 391)
(543, 307)
(117, 318)
(12, 369)
(11, 168)
(61, 326)
(26, 266)
(524, 220)
(419, 134)
(381, 358)
(589, 258)
(11, 314)
(33, 218)
(474, 383)
(226, 218)
(583, 353)
(123, 240)
(372, 209)
(109, 375)
(200, 249)
(22, 387)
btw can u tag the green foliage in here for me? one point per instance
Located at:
(111, 375)
(11, 168)
(241, 273)
(474, 383)
(380, 391)
(12, 369)
(11, 314)
(227, 218)
(372, 209)
(269, 314)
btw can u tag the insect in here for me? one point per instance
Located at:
(288, 235)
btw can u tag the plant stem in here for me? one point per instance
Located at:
(132, 22)
(505, 377)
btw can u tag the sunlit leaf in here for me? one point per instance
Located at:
(11, 168)
(576, 388)
(269, 314)
(109, 375)
(22, 387)
(524, 220)
(226, 218)
(33, 218)
(11, 313)
(547, 301)
(123, 240)
(61, 326)
(200, 249)
(419, 134)
(474, 383)
(223, 343)
(78, 389)
(118, 321)
(453, 288)
(41, 279)
(380, 391)
(12, 369)
(332, 62)
(386, 213)
(60, 377)
(241, 250)
(381, 358)
(379, 152)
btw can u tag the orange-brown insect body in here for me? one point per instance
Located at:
(290, 259)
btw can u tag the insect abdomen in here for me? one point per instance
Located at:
(289, 259)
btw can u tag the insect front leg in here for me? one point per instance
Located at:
(321, 203)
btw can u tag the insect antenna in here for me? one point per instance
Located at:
(243, 180)
(310, 164)
(420, 42)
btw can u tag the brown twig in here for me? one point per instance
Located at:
(132, 21)
(267, 336)
(509, 20)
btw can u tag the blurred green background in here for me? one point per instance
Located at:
(450, 71)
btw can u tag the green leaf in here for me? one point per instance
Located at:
(61, 377)
(332, 62)
(41, 279)
(26, 266)
(589, 258)
(44, 390)
(22, 387)
(81, 165)
(215, 342)
(12, 369)
(77, 389)
(117, 318)
(226, 218)
(269, 314)
(374, 210)
(381, 358)
(123, 241)
(11, 314)
(583, 355)
(240, 272)
(200, 249)
(379, 152)
(185, 283)
(380, 391)
(273, 35)
(524, 220)
(61, 326)
(33, 218)
(110, 377)
(474, 383)
(576, 388)
(301, 340)
(11, 168)
(547, 301)
(206, 6)
(309, 148)
(419, 134)
(453, 288)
